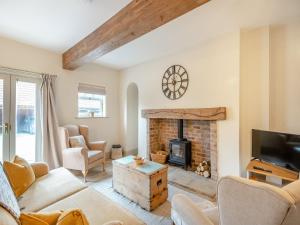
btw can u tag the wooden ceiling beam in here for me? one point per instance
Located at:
(134, 20)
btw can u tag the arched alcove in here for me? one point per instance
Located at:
(132, 118)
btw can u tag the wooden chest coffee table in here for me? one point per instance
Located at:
(145, 184)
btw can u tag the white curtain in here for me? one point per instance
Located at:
(51, 147)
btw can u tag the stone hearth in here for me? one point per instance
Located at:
(200, 127)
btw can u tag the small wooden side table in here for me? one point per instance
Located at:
(269, 173)
(146, 184)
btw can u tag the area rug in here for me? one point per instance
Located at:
(160, 215)
(102, 182)
(186, 180)
(192, 182)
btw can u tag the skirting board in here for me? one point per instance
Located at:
(125, 153)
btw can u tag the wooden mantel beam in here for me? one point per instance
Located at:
(217, 113)
(137, 18)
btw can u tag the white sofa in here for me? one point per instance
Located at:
(59, 190)
(242, 202)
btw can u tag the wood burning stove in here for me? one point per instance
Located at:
(180, 149)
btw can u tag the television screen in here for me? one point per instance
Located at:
(278, 148)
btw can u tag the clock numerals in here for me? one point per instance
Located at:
(166, 91)
(184, 80)
(174, 95)
(179, 92)
(179, 68)
(183, 87)
(169, 73)
(184, 72)
(169, 94)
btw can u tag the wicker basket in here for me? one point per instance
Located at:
(159, 157)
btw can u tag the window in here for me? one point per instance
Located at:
(91, 101)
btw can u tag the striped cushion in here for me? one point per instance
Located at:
(7, 198)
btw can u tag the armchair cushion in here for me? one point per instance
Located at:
(73, 130)
(77, 141)
(40, 169)
(94, 155)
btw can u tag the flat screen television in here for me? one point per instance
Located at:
(281, 149)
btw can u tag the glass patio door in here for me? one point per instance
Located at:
(21, 127)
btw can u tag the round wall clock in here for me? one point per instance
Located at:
(175, 82)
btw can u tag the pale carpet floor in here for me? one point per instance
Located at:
(102, 182)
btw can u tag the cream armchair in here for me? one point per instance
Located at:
(242, 202)
(80, 158)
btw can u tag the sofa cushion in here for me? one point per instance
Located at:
(20, 174)
(50, 218)
(27, 219)
(54, 186)
(40, 169)
(97, 208)
(72, 217)
(7, 198)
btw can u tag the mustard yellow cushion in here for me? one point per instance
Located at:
(40, 218)
(39, 168)
(20, 174)
(26, 219)
(72, 217)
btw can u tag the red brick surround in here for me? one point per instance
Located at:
(202, 134)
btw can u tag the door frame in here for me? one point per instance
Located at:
(5, 116)
(10, 77)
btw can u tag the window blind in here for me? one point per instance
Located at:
(91, 89)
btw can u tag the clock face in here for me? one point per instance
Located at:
(175, 82)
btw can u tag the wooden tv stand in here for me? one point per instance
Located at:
(269, 173)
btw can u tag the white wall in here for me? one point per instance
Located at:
(20, 56)
(213, 69)
(254, 88)
(285, 78)
(270, 79)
